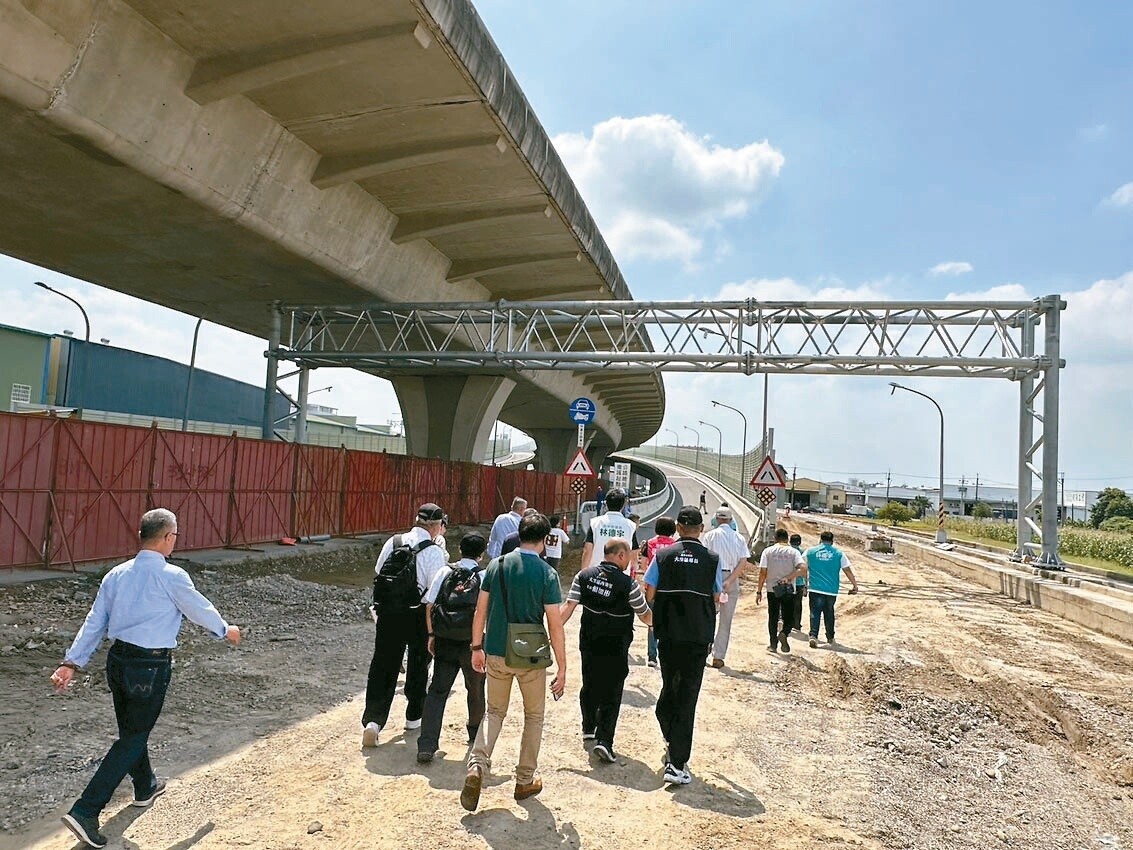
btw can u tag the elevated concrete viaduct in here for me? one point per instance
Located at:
(216, 156)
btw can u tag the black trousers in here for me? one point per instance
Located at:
(450, 657)
(605, 665)
(682, 670)
(138, 680)
(394, 633)
(780, 609)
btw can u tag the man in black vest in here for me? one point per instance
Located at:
(609, 599)
(683, 584)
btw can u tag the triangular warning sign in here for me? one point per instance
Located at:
(580, 466)
(768, 475)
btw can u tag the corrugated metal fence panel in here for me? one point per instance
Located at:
(366, 504)
(319, 481)
(192, 476)
(101, 487)
(76, 490)
(261, 492)
(26, 461)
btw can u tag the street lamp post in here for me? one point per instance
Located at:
(677, 436)
(86, 321)
(189, 380)
(941, 534)
(719, 450)
(743, 457)
(696, 457)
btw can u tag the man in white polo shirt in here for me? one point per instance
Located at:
(726, 543)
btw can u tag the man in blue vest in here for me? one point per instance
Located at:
(683, 583)
(825, 564)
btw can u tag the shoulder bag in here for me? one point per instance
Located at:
(528, 647)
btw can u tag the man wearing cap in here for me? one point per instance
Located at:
(400, 627)
(683, 584)
(727, 544)
(608, 526)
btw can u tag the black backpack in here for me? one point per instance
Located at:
(456, 604)
(395, 585)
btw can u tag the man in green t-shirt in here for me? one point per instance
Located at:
(533, 593)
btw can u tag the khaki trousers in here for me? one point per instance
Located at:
(533, 689)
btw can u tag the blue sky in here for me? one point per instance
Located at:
(837, 149)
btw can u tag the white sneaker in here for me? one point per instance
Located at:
(676, 776)
(413, 724)
(370, 735)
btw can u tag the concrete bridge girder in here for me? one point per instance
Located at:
(212, 160)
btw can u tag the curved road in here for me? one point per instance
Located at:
(688, 486)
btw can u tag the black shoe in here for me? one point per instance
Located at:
(772, 647)
(425, 757)
(85, 829)
(783, 645)
(606, 753)
(143, 801)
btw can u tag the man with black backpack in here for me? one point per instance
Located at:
(406, 567)
(450, 604)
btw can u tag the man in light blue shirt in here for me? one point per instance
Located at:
(140, 605)
(504, 526)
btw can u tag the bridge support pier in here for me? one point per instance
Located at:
(450, 416)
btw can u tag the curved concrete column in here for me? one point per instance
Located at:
(554, 448)
(450, 416)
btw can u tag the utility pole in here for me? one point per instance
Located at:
(977, 488)
(887, 476)
(963, 488)
(794, 477)
(1062, 498)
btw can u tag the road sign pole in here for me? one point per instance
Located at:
(581, 436)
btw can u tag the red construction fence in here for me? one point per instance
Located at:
(73, 491)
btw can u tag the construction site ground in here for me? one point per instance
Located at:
(947, 716)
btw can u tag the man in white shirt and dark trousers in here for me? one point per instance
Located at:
(727, 544)
(400, 624)
(609, 599)
(608, 526)
(139, 605)
(779, 566)
(450, 638)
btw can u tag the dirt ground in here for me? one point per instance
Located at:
(948, 717)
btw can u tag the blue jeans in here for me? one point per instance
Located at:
(138, 679)
(822, 607)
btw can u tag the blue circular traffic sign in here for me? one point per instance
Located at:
(583, 411)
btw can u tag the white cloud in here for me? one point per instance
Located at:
(1122, 196)
(832, 428)
(1003, 292)
(951, 269)
(657, 189)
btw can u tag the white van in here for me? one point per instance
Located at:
(860, 510)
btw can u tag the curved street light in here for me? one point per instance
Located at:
(677, 436)
(696, 457)
(941, 534)
(719, 450)
(86, 321)
(743, 457)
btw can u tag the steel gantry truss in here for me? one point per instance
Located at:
(975, 339)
